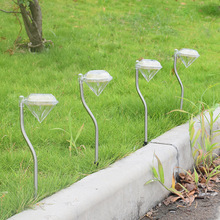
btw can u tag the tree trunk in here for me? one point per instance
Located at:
(32, 18)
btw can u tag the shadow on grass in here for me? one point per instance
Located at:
(211, 10)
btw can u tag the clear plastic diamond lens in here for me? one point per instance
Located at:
(40, 105)
(97, 87)
(187, 61)
(148, 68)
(97, 80)
(188, 56)
(148, 74)
(40, 112)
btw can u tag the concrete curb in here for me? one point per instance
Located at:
(119, 191)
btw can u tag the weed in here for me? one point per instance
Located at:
(204, 151)
(72, 141)
(159, 177)
(87, 37)
(206, 166)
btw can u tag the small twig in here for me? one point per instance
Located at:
(181, 206)
(10, 11)
(30, 45)
(196, 204)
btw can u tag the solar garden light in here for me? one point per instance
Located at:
(148, 69)
(97, 80)
(40, 105)
(188, 56)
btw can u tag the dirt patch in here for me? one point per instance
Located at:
(204, 208)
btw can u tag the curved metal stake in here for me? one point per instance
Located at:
(21, 105)
(93, 118)
(145, 106)
(177, 76)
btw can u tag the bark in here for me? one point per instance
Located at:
(32, 18)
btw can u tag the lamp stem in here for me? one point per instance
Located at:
(145, 106)
(93, 118)
(21, 105)
(179, 80)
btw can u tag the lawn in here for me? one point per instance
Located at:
(88, 35)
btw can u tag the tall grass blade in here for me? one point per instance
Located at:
(155, 172)
(160, 169)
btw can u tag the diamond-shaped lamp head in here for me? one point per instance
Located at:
(40, 105)
(97, 80)
(148, 68)
(188, 56)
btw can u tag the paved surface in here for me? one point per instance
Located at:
(119, 191)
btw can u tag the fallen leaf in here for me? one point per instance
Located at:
(202, 169)
(141, 58)
(178, 187)
(173, 181)
(214, 178)
(202, 179)
(170, 199)
(10, 51)
(183, 3)
(190, 200)
(182, 176)
(190, 186)
(217, 161)
(192, 193)
(149, 214)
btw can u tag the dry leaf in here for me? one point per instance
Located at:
(170, 199)
(202, 179)
(190, 186)
(183, 3)
(202, 170)
(10, 51)
(182, 176)
(178, 187)
(217, 161)
(190, 200)
(192, 193)
(141, 58)
(214, 178)
(149, 214)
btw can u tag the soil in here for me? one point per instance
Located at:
(204, 208)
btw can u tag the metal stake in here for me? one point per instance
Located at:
(145, 106)
(179, 80)
(21, 105)
(93, 118)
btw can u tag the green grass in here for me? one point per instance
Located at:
(89, 35)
